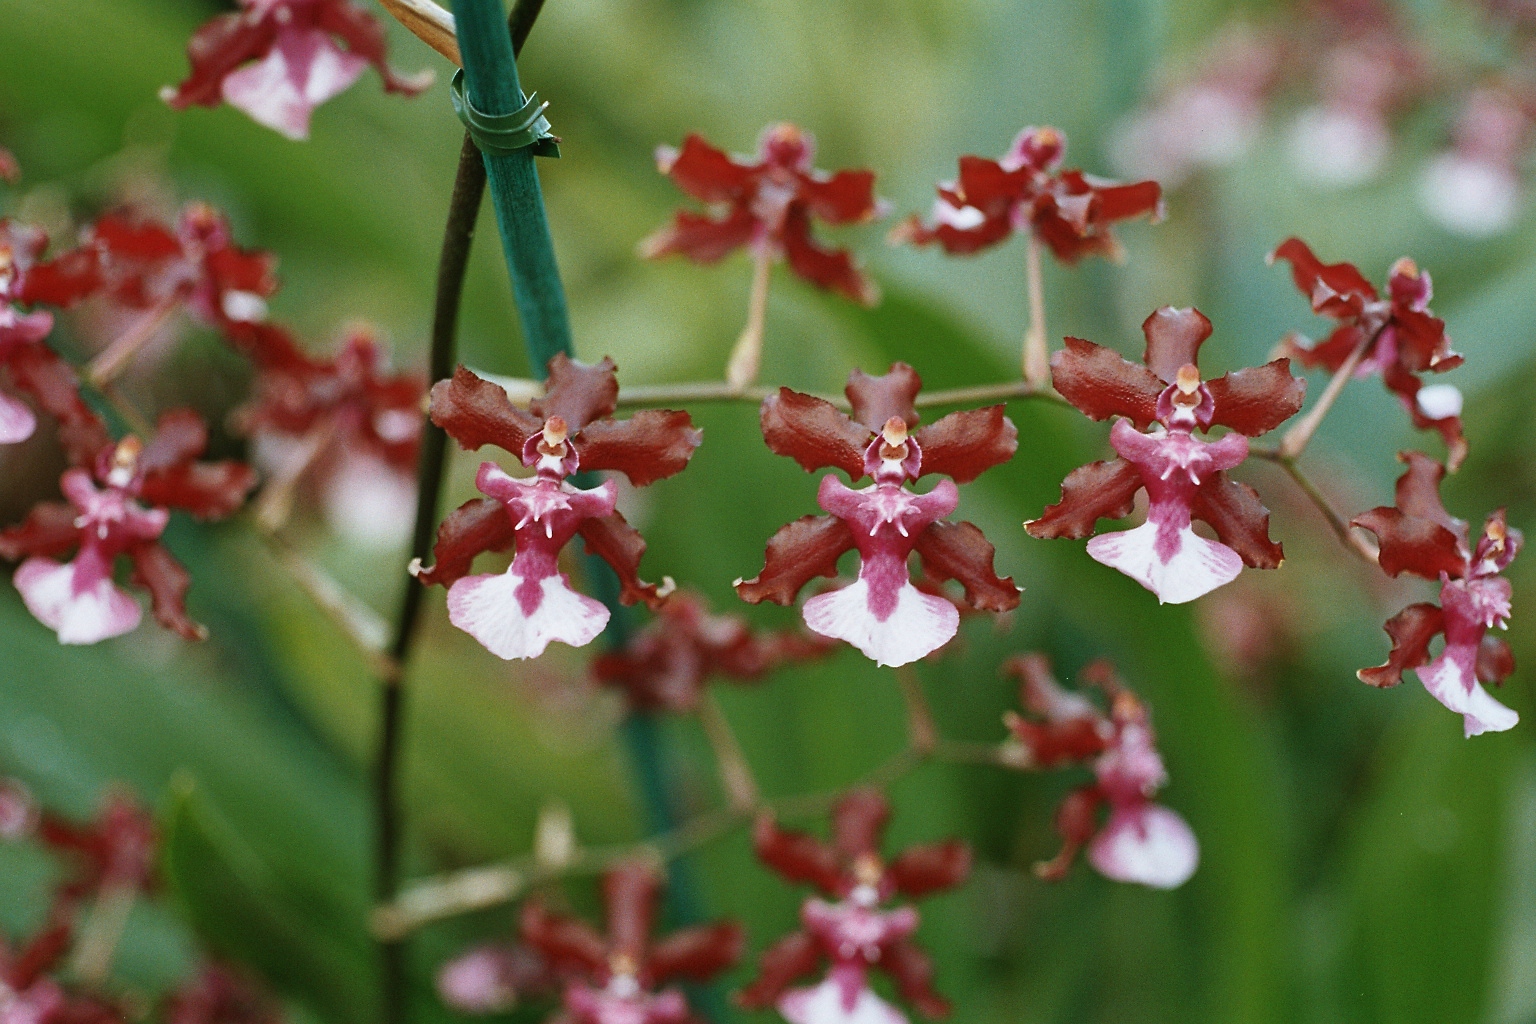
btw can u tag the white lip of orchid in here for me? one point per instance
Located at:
(623, 985)
(865, 895)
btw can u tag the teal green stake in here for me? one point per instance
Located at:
(510, 130)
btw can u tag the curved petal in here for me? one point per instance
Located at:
(798, 553)
(496, 610)
(217, 48)
(963, 445)
(701, 238)
(81, 606)
(476, 412)
(1240, 520)
(797, 856)
(697, 953)
(167, 580)
(959, 551)
(918, 625)
(1174, 337)
(1411, 544)
(612, 539)
(1335, 289)
(930, 868)
(1099, 490)
(649, 446)
(878, 398)
(1258, 399)
(832, 269)
(1101, 383)
(1411, 631)
(813, 433)
(478, 525)
(847, 197)
(1188, 568)
(1452, 680)
(704, 172)
(579, 393)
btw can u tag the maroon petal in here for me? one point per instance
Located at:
(157, 571)
(66, 279)
(698, 953)
(963, 445)
(206, 490)
(365, 36)
(986, 185)
(1240, 520)
(912, 970)
(1124, 202)
(1411, 631)
(569, 944)
(959, 551)
(1174, 337)
(647, 447)
(702, 239)
(476, 412)
(955, 241)
(216, 49)
(478, 525)
(1076, 821)
(52, 382)
(1418, 492)
(813, 433)
(621, 546)
(1258, 399)
(930, 868)
(876, 399)
(832, 269)
(1410, 544)
(578, 393)
(1099, 490)
(48, 530)
(858, 821)
(1334, 289)
(797, 856)
(784, 963)
(1329, 353)
(1067, 242)
(180, 436)
(1421, 342)
(1102, 383)
(1495, 661)
(708, 174)
(629, 895)
(846, 197)
(798, 553)
(1406, 386)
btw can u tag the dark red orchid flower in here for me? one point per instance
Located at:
(666, 665)
(1185, 477)
(767, 202)
(1026, 190)
(623, 977)
(1397, 336)
(120, 505)
(853, 934)
(139, 264)
(278, 60)
(882, 613)
(1140, 841)
(32, 996)
(1420, 537)
(517, 613)
(114, 850)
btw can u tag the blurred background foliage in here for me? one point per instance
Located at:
(1361, 861)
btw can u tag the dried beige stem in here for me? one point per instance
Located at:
(429, 23)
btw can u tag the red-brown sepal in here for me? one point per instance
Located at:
(1257, 399)
(1099, 490)
(813, 433)
(649, 446)
(959, 551)
(478, 525)
(475, 412)
(1102, 383)
(963, 445)
(621, 546)
(1240, 520)
(798, 553)
(930, 868)
(1411, 631)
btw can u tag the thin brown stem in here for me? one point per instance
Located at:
(360, 624)
(1296, 439)
(522, 390)
(735, 773)
(1037, 358)
(747, 357)
(97, 947)
(1337, 521)
(922, 731)
(112, 360)
(274, 506)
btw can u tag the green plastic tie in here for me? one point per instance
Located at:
(506, 133)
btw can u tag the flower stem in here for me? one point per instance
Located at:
(98, 945)
(1037, 359)
(111, 361)
(1296, 439)
(1337, 522)
(922, 731)
(747, 357)
(458, 237)
(735, 773)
